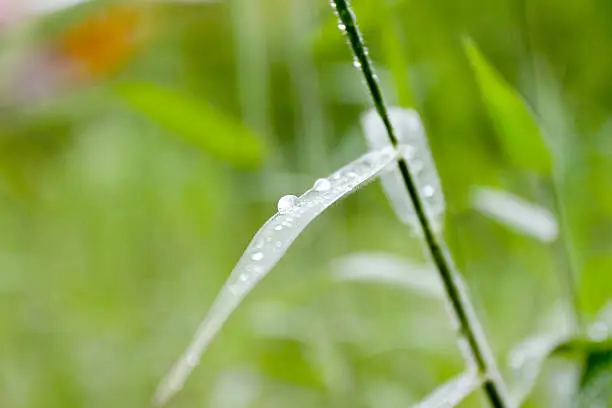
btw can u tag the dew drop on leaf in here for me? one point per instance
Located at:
(429, 191)
(322, 185)
(277, 235)
(286, 203)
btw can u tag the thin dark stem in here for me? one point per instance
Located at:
(469, 325)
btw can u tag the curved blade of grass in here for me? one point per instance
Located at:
(195, 121)
(516, 213)
(527, 358)
(265, 250)
(451, 393)
(526, 362)
(515, 124)
(599, 335)
(388, 269)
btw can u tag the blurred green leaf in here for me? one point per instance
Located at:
(515, 124)
(596, 388)
(196, 122)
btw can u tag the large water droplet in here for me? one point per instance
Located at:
(322, 185)
(286, 203)
(257, 256)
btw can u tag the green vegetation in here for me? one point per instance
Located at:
(127, 199)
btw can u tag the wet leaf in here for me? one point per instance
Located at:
(268, 246)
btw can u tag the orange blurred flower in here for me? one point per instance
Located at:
(101, 44)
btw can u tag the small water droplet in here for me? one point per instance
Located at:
(257, 256)
(322, 185)
(244, 277)
(429, 191)
(278, 228)
(286, 203)
(278, 244)
(352, 174)
(357, 64)
(287, 224)
(341, 26)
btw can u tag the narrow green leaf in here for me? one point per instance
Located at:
(514, 122)
(195, 121)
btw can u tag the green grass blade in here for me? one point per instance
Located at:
(514, 122)
(196, 122)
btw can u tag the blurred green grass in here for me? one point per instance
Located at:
(117, 234)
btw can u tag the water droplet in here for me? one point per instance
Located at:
(341, 26)
(278, 244)
(286, 203)
(322, 185)
(244, 277)
(257, 256)
(357, 64)
(278, 228)
(352, 174)
(429, 191)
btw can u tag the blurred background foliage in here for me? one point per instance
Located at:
(143, 144)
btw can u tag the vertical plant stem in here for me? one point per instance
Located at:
(563, 249)
(469, 325)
